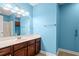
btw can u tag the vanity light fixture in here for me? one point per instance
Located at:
(7, 7)
(22, 11)
(25, 14)
(13, 11)
(16, 8)
(19, 13)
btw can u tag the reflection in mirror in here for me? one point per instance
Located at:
(17, 26)
(14, 22)
(7, 28)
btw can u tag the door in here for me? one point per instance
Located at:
(76, 35)
(76, 39)
(7, 28)
(1, 25)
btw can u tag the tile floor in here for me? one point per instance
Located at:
(40, 54)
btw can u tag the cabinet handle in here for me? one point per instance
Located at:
(76, 33)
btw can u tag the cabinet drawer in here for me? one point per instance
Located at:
(31, 42)
(38, 39)
(19, 46)
(4, 51)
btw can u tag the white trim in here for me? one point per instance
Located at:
(58, 51)
(68, 51)
(11, 27)
(47, 53)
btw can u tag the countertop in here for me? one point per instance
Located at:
(10, 42)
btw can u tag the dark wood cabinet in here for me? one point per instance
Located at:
(20, 52)
(19, 49)
(38, 45)
(28, 48)
(19, 46)
(26, 51)
(31, 50)
(5, 51)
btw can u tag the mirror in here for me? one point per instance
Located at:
(14, 23)
(9, 27)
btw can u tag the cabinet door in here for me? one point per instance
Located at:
(31, 50)
(26, 51)
(5, 51)
(37, 47)
(19, 52)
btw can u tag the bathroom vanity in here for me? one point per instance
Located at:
(24, 46)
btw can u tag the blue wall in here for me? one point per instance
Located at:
(44, 21)
(69, 16)
(58, 27)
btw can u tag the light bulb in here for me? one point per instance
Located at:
(13, 11)
(5, 8)
(16, 8)
(22, 11)
(19, 13)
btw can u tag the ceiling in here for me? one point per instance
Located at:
(8, 12)
(33, 4)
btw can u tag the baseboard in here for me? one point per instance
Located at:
(47, 53)
(68, 51)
